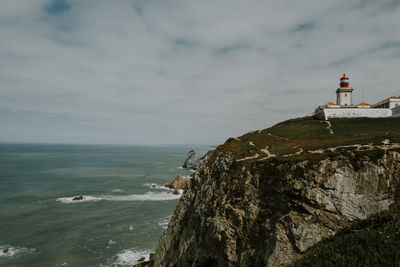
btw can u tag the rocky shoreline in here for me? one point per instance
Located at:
(180, 182)
(191, 162)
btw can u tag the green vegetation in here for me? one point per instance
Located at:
(371, 242)
(302, 138)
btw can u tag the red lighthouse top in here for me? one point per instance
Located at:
(344, 81)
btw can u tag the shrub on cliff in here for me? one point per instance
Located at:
(371, 242)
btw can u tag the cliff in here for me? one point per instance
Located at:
(264, 198)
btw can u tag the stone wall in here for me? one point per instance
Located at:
(328, 113)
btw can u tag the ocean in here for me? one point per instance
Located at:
(125, 211)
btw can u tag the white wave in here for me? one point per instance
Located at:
(156, 186)
(149, 196)
(164, 222)
(128, 257)
(117, 190)
(71, 199)
(180, 167)
(9, 251)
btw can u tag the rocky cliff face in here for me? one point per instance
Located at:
(245, 210)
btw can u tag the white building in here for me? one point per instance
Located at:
(396, 111)
(344, 107)
(389, 102)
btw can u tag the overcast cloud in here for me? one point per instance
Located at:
(180, 72)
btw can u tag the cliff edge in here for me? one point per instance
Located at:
(264, 198)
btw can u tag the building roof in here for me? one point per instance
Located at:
(329, 103)
(363, 104)
(387, 100)
(392, 97)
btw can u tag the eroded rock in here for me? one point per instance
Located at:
(179, 182)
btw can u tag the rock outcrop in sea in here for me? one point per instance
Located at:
(193, 162)
(264, 198)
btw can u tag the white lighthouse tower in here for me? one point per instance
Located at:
(344, 107)
(344, 94)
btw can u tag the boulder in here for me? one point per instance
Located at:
(179, 182)
(141, 259)
(78, 198)
(5, 251)
(176, 192)
(143, 264)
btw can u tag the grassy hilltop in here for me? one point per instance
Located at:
(309, 138)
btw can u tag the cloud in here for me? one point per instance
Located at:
(171, 71)
(304, 27)
(57, 7)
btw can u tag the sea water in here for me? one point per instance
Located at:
(123, 214)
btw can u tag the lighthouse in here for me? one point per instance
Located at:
(344, 94)
(344, 107)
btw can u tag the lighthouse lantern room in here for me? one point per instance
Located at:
(344, 93)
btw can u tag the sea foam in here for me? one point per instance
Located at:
(157, 186)
(128, 257)
(12, 251)
(149, 196)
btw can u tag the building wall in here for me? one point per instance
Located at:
(393, 103)
(353, 113)
(345, 99)
(396, 113)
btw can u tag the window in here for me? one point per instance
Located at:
(345, 94)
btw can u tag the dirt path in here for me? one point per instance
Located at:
(251, 157)
(268, 153)
(301, 150)
(386, 145)
(277, 136)
(329, 127)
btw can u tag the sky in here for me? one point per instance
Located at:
(185, 72)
